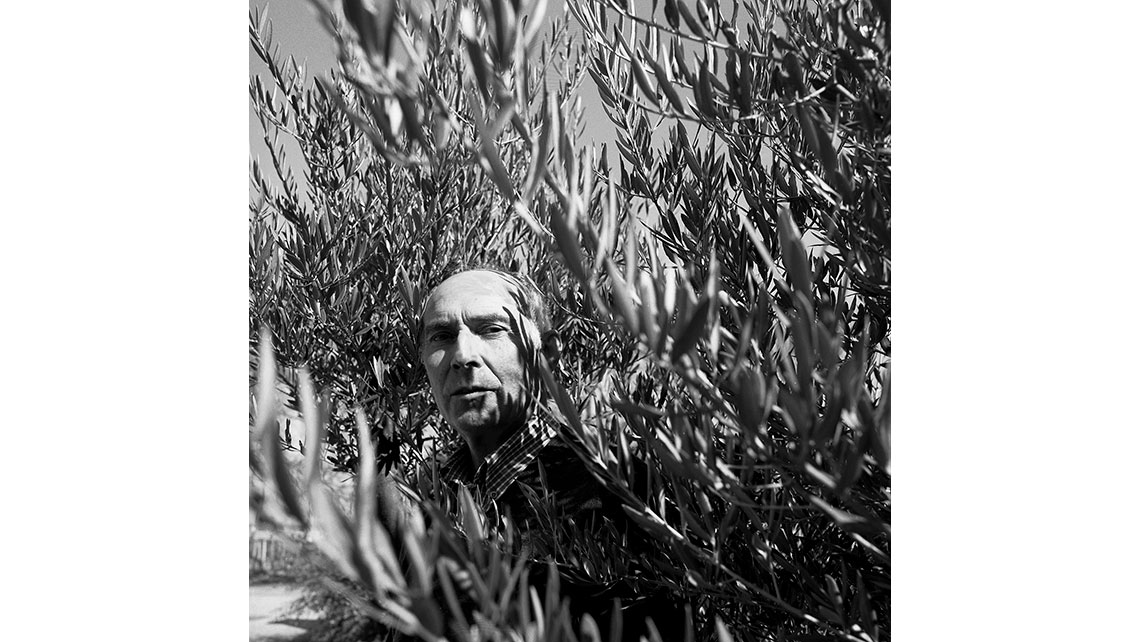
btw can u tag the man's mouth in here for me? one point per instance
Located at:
(469, 391)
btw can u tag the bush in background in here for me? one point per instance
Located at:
(724, 290)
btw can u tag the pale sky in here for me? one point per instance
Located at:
(297, 32)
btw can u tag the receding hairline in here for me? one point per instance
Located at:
(529, 300)
(503, 276)
(513, 283)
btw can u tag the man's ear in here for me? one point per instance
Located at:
(552, 347)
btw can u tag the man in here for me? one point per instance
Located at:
(479, 335)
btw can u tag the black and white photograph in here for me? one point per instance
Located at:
(570, 320)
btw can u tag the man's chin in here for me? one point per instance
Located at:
(472, 423)
(476, 420)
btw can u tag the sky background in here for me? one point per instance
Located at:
(298, 32)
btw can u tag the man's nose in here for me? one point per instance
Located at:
(466, 353)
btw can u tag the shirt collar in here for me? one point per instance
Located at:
(501, 468)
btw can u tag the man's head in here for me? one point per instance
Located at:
(476, 356)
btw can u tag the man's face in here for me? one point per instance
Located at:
(474, 360)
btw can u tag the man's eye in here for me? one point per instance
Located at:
(493, 330)
(442, 335)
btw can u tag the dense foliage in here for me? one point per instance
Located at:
(723, 292)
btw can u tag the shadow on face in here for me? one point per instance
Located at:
(480, 352)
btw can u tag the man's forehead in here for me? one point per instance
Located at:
(474, 292)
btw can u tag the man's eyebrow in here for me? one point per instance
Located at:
(489, 317)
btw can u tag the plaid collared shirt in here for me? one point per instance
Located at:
(501, 468)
